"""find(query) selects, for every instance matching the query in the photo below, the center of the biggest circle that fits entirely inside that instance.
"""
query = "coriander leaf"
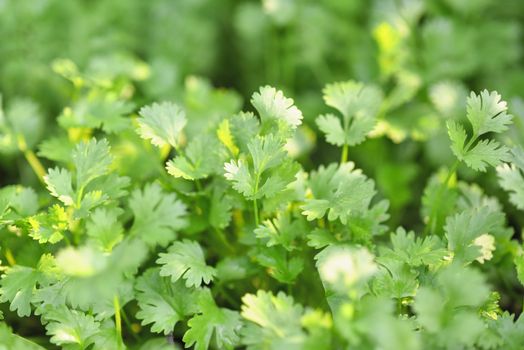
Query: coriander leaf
(338, 191)
(359, 106)
(104, 229)
(186, 260)
(415, 251)
(448, 311)
(162, 123)
(237, 171)
(487, 112)
(226, 137)
(158, 215)
(486, 152)
(244, 127)
(49, 227)
(11, 341)
(279, 265)
(17, 286)
(71, 328)
(162, 303)
(330, 125)
(272, 104)
(211, 320)
(351, 98)
(266, 152)
(511, 178)
(59, 184)
(463, 229)
(220, 208)
(200, 159)
(274, 320)
(92, 160)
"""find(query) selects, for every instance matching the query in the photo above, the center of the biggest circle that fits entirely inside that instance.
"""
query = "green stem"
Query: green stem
(128, 324)
(344, 156)
(118, 318)
(32, 159)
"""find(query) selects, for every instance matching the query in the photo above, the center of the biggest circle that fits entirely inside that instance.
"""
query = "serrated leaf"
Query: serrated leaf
(330, 125)
(60, 185)
(71, 327)
(92, 160)
(17, 286)
(211, 320)
(104, 229)
(50, 226)
(158, 215)
(487, 112)
(415, 251)
(462, 229)
(186, 260)
(338, 192)
(162, 123)
(162, 303)
(272, 104)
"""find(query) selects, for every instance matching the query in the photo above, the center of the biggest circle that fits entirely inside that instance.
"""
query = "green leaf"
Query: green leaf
(272, 104)
(279, 265)
(17, 286)
(162, 123)
(511, 179)
(50, 226)
(359, 105)
(158, 215)
(211, 320)
(104, 229)
(330, 125)
(10, 341)
(186, 260)
(162, 303)
(486, 152)
(274, 320)
(60, 184)
(463, 229)
(351, 98)
(201, 158)
(448, 311)
(71, 328)
(415, 251)
(92, 160)
(487, 113)
(338, 191)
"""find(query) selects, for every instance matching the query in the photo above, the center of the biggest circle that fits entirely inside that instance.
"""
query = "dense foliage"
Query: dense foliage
(144, 208)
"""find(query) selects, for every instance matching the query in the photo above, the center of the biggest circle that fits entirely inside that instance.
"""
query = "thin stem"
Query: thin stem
(10, 258)
(32, 159)
(128, 324)
(118, 318)
(344, 156)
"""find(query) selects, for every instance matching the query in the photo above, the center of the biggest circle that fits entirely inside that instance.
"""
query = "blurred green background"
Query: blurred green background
(425, 55)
